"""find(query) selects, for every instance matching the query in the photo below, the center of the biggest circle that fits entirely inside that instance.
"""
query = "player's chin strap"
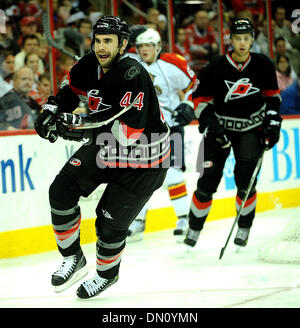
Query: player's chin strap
(93, 125)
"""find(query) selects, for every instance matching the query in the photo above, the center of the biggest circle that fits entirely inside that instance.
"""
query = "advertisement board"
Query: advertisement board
(28, 165)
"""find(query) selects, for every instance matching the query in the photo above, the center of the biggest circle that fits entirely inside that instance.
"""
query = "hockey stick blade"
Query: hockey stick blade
(51, 41)
(93, 125)
(257, 167)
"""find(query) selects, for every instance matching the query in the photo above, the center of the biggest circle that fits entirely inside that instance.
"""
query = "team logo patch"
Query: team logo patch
(107, 214)
(75, 161)
(95, 102)
(207, 164)
(239, 89)
(132, 72)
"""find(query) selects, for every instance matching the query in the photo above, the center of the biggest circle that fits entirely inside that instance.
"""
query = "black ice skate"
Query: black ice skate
(72, 269)
(181, 229)
(242, 236)
(191, 237)
(95, 286)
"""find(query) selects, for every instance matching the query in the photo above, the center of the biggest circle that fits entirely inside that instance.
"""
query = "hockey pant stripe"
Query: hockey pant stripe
(177, 191)
(250, 204)
(200, 209)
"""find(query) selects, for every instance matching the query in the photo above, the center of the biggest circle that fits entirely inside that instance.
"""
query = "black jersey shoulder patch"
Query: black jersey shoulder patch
(132, 72)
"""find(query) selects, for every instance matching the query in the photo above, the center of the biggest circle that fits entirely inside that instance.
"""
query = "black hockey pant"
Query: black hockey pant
(126, 193)
(246, 148)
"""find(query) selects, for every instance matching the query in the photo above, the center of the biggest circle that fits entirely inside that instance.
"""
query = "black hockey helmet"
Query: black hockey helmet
(111, 25)
(241, 26)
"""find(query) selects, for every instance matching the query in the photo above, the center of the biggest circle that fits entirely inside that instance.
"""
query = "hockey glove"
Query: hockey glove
(184, 113)
(46, 120)
(215, 135)
(62, 128)
(271, 129)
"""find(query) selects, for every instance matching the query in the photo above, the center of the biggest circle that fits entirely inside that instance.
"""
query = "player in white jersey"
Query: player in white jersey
(173, 80)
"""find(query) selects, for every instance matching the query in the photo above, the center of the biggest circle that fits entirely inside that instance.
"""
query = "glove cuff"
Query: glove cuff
(188, 102)
(51, 108)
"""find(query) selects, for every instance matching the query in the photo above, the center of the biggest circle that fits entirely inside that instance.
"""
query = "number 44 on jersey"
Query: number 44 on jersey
(138, 100)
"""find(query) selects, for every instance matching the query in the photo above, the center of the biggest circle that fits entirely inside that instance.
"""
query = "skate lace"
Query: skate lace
(66, 267)
(93, 285)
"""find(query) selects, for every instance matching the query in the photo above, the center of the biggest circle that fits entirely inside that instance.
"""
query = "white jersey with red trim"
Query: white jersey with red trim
(238, 94)
(169, 73)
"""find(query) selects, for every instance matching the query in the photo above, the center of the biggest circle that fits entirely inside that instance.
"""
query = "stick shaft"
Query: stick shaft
(51, 41)
(257, 167)
(94, 125)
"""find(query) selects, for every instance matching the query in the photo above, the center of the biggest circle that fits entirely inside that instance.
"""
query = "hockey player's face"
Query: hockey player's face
(147, 51)
(241, 44)
(106, 49)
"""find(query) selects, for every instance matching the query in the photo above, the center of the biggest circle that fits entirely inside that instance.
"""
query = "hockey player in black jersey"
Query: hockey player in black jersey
(130, 154)
(237, 104)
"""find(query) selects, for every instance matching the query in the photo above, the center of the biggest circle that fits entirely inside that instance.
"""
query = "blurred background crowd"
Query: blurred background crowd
(25, 67)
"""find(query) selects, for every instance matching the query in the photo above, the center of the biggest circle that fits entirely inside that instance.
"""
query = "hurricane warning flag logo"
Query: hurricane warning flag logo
(239, 89)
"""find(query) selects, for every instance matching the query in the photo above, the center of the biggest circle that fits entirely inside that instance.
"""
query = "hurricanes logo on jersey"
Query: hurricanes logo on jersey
(95, 103)
(239, 89)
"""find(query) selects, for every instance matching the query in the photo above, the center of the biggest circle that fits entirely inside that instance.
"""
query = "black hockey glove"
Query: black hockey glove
(215, 134)
(271, 129)
(62, 127)
(184, 113)
(46, 120)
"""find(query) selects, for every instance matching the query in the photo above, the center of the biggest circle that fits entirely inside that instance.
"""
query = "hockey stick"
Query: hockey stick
(93, 125)
(51, 41)
(257, 167)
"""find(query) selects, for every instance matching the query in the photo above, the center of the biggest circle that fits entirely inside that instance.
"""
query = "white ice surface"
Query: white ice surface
(157, 272)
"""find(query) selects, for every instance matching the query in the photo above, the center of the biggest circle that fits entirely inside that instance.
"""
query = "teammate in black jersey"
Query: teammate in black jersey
(130, 154)
(237, 104)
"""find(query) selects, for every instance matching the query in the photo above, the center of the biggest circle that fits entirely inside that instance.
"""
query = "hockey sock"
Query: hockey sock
(109, 258)
(66, 226)
(200, 207)
(248, 212)
(179, 199)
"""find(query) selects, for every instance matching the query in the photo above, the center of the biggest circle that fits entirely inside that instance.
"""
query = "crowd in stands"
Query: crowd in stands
(24, 51)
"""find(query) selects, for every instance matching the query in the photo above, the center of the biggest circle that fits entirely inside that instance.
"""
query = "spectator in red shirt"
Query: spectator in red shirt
(257, 8)
(200, 40)
(28, 26)
(43, 90)
(181, 46)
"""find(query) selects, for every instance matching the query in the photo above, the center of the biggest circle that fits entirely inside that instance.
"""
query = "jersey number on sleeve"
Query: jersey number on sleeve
(126, 100)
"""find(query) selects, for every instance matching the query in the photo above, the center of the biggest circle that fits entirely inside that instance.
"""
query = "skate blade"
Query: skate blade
(239, 249)
(137, 237)
(78, 275)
